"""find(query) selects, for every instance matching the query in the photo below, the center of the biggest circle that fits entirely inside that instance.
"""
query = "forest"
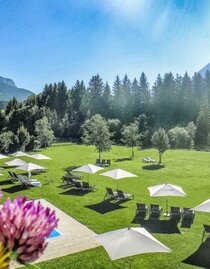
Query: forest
(177, 104)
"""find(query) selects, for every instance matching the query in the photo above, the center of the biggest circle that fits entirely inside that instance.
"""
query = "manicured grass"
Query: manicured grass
(188, 169)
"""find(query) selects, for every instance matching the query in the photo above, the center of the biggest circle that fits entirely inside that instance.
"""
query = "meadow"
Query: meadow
(188, 169)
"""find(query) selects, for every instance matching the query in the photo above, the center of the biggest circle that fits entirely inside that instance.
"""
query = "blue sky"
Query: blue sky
(45, 41)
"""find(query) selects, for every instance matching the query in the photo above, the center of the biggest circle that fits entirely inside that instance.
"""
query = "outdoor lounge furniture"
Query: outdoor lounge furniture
(148, 160)
(87, 187)
(72, 175)
(103, 162)
(188, 214)
(206, 230)
(78, 185)
(11, 176)
(175, 213)
(124, 196)
(155, 211)
(29, 183)
(98, 162)
(112, 194)
(108, 162)
(68, 181)
(141, 210)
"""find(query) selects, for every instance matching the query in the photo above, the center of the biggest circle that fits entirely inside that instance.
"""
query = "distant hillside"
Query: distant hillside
(203, 70)
(8, 90)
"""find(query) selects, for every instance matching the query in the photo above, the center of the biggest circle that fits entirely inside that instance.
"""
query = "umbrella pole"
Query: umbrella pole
(167, 206)
(117, 184)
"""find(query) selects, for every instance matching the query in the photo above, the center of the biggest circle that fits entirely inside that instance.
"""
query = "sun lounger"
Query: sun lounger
(78, 185)
(206, 230)
(110, 193)
(175, 213)
(124, 196)
(188, 214)
(155, 211)
(87, 187)
(29, 183)
(108, 163)
(141, 210)
(72, 175)
(103, 162)
(98, 162)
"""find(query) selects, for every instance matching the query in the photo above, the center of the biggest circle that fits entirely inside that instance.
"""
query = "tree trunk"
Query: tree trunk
(160, 157)
(132, 152)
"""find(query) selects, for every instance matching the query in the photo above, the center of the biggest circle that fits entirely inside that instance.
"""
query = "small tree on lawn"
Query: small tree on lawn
(44, 133)
(96, 132)
(23, 137)
(131, 136)
(160, 141)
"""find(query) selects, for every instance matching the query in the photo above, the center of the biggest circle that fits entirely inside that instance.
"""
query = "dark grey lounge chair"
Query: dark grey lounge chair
(108, 162)
(124, 196)
(188, 214)
(112, 194)
(86, 186)
(98, 162)
(141, 209)
(175, 213)
(155, 211)
(103, 162)
(206, 230)
(78, 185)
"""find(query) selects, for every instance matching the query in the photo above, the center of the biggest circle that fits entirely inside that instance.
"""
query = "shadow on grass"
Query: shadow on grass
(6, 182)
(159, 226)
(153, 167)
(124, 159)
(105, 207)
(75, 192)
(14, 189)
(201, 256)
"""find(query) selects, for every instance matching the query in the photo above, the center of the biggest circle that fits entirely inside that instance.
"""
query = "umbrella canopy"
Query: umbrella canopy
(166, 190)
(130, 241)
(30, 167)
(88, 168)
(3, 156)
(20, 154)
(203, 207)
(15, 162)
(118, 174)
(39, 157)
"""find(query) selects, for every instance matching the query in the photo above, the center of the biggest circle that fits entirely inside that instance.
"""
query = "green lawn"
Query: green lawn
(188, 169)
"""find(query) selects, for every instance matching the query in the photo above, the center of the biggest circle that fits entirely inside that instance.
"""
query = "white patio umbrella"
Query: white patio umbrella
(203, 207)
(28, 167)
(39, 157)
(20, 154)
(128, 242)
(3, 156)
(118, 174)
(88, 168)
(166, 190)
(15, 162)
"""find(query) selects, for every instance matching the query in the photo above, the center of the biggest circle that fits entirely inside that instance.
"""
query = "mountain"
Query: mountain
(8, 90)
(203, 70)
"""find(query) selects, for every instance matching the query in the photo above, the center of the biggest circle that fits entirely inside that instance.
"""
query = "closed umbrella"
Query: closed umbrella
(130, 241)
(118, 174)
(88, 168)
(3, 156)
(166, 190)
(20, 154)
(28, 167)
(15, 162)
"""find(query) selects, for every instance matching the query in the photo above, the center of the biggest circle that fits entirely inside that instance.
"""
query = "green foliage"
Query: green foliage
(131, 136)
(44, 133)
(178, 137)
(160, 141)
(96, 132)
(22, 138)
(6, 140)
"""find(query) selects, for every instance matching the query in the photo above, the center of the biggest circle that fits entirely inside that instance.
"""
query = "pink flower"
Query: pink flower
(24, 227)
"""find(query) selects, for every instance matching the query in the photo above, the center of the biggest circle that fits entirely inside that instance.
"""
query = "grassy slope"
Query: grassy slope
(189, 169)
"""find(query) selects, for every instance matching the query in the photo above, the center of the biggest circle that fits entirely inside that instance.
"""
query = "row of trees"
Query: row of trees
(171, 103)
